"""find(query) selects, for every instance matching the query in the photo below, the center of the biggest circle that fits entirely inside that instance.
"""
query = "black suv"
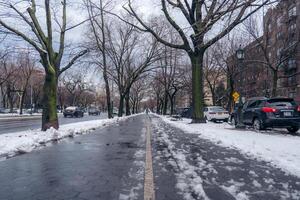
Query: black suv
(262, 113)
(73, 112)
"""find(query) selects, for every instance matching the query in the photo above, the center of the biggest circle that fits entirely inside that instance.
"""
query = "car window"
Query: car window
(281, 102)
(260, 103)
(205, 109)
(252, 104)
(216, 109)
(245, 105)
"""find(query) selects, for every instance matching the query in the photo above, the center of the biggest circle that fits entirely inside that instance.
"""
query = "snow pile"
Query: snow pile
(18, 115)
(278, 149)
(188, 181)
(234, 190)
(25, 141)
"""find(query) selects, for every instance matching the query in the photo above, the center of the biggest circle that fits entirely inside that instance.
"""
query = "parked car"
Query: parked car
(216, 113)
(186, 112)
(262, 113)
(73, 112)
(94, 111)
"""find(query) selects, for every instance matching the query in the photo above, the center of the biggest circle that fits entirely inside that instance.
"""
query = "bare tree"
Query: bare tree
(41, 38)
(26, 67)
(213, 73)
(204, 17)
(99, 35)
(274, 61)
(137, 93)
(74, 83)
(130, 55)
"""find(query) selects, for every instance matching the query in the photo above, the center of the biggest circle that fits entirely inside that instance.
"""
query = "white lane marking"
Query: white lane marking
(149, 193)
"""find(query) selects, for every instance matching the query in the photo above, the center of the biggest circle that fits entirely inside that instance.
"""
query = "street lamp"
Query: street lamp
(240, 54)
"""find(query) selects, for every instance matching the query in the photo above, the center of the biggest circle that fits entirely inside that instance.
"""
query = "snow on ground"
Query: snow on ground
(18, 115)
(25, 141)
(188, 181)
(280, 150)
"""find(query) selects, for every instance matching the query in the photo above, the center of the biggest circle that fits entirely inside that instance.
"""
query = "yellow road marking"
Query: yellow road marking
(149, 193)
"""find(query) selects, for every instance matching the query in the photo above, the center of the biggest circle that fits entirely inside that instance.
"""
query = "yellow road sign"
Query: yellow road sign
(236, 96)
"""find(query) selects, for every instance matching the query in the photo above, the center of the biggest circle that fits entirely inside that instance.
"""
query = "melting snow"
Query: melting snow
(278, 149)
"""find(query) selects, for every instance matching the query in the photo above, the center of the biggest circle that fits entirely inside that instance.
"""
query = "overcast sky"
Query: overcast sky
(76, 14)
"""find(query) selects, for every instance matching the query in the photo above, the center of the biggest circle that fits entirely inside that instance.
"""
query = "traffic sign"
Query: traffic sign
(236, 96)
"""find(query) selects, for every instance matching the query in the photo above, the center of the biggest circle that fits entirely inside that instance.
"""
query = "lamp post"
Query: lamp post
(240, 54)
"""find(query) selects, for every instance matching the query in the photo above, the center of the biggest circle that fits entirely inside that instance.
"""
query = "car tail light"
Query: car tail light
(268, 110)
(298, 108)
(212, 113)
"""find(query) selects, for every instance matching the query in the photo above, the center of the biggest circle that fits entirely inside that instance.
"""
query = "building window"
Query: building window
(292, 27)
(279, 51)
(278, 35)
(292, 63)
(292, 11)
(292, 94)
(292, 81)
(279, 20)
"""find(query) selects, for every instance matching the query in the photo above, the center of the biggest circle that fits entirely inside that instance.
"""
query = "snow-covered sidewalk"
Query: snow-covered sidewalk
(25, 141)
(281, 151)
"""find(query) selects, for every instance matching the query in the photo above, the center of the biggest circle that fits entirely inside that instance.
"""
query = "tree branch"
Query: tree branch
(82, 53)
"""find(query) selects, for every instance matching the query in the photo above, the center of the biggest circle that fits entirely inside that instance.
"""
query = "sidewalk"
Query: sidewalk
(200, 169)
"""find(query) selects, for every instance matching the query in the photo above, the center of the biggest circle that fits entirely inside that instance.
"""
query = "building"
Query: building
(279, 48)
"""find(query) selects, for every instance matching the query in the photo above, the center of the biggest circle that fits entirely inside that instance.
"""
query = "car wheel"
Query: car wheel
(257, 125)
(65, 116)
(293, 129)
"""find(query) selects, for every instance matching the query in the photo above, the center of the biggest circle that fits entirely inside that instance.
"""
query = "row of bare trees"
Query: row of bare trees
(22, 84)
(20, 80)
(126, 47)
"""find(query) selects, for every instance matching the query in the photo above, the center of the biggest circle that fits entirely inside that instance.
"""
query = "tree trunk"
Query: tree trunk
(127, 102)
(49, 118)
(121, 106)
(274, 85)
(107, 91)
(213, 96)
(230, 104)
(172, 105)
(197, 87)
(10, 98)
(22, 101)
(157, 104)
(165, 104)
(173, 102)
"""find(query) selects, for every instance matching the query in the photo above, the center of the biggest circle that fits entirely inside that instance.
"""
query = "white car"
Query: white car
(216, 113)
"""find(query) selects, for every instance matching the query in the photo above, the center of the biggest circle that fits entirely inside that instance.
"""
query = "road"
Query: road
(15, 124)
(90, 167)
(109, 164)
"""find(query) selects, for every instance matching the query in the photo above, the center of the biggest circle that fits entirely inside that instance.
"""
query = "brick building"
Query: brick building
(278, 47)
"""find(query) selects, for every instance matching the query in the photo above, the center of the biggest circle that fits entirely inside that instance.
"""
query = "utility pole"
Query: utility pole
(240, 54)
(31, 99)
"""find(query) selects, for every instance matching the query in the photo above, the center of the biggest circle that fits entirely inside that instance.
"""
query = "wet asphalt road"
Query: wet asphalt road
(108, 164)
(100, 165)
(15, 125)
